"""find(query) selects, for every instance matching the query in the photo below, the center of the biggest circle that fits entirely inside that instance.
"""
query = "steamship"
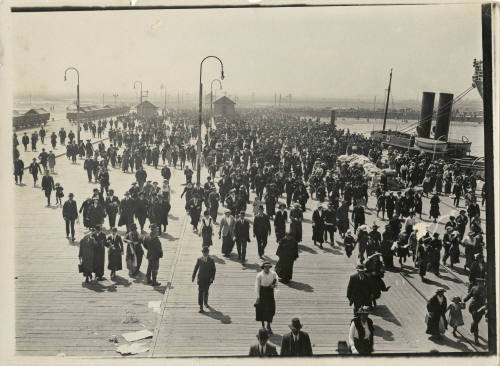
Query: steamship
(440, 146)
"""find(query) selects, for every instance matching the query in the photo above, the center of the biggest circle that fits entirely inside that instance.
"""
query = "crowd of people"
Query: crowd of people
(287, 160)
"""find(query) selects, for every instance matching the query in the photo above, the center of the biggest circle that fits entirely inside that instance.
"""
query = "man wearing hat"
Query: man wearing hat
(318, 225)
(477, 307)
(358, 215)
(361, 332)
(436, 310)
(261, 230)
(70, 214)
(358, 288)
(434, 254)
(461, 221)
(115, 252)
(47, 186)
(111, 206)
(262, 348)
(447, 242)
(205, 267)
(96, 213)
(226, 231)
(88, 165)
(99, 252)
(86, 255)
(280, 221)
(329, 221)
(477, 268)
(155, 252)
(126, 209)
(296, 217)
(242, 236)
(297, 342)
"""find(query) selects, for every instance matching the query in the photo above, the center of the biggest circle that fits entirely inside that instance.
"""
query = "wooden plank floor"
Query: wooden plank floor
(316, 295)
(57, 313)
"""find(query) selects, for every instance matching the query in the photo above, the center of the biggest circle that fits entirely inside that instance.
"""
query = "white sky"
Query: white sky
(321, 52)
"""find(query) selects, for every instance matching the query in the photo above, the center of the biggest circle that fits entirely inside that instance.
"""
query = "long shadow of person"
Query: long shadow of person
(120, 281)
(276, 339)
(169, 237)
(95, 286)
(254, 266)
(459, 345)
(300, 286)
(307, 249)
(217, 259)
(385, 334)
(386, 314)
(161, 289)
(332, 250)
(140, 278)
(270, 260)
(218, 315)
(436, 283)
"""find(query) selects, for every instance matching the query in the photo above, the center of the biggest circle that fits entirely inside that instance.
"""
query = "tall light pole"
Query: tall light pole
(198, 155)
(115, 96)
(140, 99)
(211, 95)
(77, 100)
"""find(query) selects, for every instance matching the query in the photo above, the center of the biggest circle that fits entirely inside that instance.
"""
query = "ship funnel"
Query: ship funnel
(443, 116)
(424, 126)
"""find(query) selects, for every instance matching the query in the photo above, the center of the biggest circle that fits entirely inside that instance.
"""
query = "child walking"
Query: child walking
(59, 194)
(454, 310)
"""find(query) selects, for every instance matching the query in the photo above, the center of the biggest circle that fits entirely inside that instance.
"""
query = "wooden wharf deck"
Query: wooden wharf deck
(56, 313)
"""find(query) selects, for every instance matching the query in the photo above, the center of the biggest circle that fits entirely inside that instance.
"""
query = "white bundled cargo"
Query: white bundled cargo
(362, 160)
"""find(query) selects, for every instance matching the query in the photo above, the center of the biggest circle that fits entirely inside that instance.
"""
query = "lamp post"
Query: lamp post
(140, 98)
(211, 95)
(77, 100)
(198, 154)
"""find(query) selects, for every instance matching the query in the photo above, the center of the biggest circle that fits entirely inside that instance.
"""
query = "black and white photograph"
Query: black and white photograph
(251, 179)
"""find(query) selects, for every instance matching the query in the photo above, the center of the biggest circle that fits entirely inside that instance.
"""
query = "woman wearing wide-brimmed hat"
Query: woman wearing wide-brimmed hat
(436, 310)
(265, 306)
(361, 332)
(296, 217)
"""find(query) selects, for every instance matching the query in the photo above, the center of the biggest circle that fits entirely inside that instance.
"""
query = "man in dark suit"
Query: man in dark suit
(205, 267)
(280, 222)
(70, 214)
(111, 205)
(88, 165)
(262, 349)
(48, 186)
(242, 236)
(296, 343)
(358, 289)
(155, 252)
(261, 230)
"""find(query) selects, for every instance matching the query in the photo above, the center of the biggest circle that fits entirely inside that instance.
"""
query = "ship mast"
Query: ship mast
(387, 101)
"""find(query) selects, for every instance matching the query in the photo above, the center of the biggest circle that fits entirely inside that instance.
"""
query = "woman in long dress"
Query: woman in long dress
(434, 211)
(288, 252)
(265, 306)
(134, 250)
(115, 252)
(207, 229)
(296, 217)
